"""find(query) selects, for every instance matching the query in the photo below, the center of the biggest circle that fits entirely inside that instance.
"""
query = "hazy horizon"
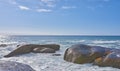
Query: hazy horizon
(62, 34)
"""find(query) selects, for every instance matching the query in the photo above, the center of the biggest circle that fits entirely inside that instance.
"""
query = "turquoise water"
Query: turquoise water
(47, 62)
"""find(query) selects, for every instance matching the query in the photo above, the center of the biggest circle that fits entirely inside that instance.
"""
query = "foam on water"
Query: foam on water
(8, 43)
(105, 41)
(48, 62)
(118, 55)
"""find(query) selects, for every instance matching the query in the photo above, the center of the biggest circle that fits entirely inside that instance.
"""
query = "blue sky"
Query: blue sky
(60, 17)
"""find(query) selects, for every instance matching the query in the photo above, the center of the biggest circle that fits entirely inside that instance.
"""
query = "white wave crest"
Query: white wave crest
(105, 41)
(8, 43)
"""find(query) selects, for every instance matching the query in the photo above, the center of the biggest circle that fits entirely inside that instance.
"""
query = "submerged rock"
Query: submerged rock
(83, 53)
(14, 66)
(31, 48)
(3, 45)
(56, 54)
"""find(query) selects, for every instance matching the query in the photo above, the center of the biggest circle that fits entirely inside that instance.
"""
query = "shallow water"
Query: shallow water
(47, 62)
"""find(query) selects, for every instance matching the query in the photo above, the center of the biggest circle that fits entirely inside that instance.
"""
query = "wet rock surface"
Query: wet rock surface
(47, 48)
(101, 56)
(83, 53)
(112, 60)
(3, 45)
(43, 50)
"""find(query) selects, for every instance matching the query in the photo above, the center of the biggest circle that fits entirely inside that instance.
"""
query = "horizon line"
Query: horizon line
(55, 35)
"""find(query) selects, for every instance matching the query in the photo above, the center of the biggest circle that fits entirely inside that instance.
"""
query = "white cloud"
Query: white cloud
(44, 10)
(40, 5)
(23, 7)
(49, 3)
(68, 7)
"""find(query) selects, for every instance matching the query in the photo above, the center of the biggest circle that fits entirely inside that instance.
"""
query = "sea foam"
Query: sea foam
(48, 62)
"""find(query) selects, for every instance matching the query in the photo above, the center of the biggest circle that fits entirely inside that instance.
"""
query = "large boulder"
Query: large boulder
(44, 50)
(30, 47)
(14, 66)
(81, 53)
(112, 60)
(97, 55)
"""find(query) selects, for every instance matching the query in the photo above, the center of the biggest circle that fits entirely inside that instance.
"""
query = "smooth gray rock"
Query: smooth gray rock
(101, 56)
(30, 48)
(81, 53)
(14, 66)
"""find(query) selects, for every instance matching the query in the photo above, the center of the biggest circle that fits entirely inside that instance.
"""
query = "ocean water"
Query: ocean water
(47, 62)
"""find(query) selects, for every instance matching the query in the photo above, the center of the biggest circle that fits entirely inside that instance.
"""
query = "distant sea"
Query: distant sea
(47, 62)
